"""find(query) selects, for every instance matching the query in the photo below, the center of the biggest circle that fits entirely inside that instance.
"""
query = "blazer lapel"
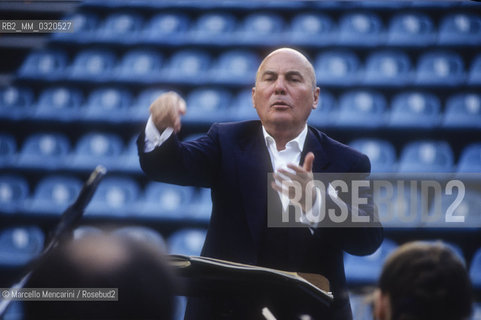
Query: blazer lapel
(300, 237)
(313, 144)
(253, 163)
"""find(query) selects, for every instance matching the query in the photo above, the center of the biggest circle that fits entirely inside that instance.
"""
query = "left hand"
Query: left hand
(303, 175)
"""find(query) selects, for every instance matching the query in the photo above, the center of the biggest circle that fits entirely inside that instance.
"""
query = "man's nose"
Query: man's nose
(280, 86)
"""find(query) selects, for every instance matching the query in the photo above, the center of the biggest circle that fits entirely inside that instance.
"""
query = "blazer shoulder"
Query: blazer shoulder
(338, 152)
(236, 130)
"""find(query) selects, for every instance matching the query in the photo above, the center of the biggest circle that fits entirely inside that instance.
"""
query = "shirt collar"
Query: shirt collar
(297, 142)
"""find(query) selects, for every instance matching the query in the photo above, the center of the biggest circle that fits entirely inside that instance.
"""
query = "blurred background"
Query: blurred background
(400, 81)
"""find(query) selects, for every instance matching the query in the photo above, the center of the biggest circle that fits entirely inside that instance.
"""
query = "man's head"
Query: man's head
(285, 90)
(139, 271)
(423, 281)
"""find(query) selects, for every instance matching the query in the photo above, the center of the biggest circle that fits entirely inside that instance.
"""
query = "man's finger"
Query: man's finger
(308, 162)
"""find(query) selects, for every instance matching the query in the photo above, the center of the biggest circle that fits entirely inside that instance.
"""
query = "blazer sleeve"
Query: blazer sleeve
(359, 238)
(192, 163)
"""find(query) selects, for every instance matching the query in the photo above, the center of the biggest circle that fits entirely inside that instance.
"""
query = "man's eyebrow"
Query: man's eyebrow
(294, 73)
(269, 73)
(288, 73)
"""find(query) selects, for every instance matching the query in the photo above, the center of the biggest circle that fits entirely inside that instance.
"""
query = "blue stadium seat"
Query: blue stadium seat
(399, 205)
(470, 159)
(139, 111)
(54, 194)
(463, 111)
(97, 148)
(467, 208)
(109, 104)
(16, 102)
(460, 29)
(475, 71)
(242, 106)
(187, 242)
(202, 205)
(144, 234)
(236, 66)
(475, 270)
(426, 156)
(388, 67)
(120, 27)
(325, 113)
(167, 28)
(188, 66)
(415, 109)
(207, 105)
(362, 108)
(440, 68)
(19, 245)
(129, 160)
(14, 192)
(337, 67)
(213, 28)
(115, 197)
(413, 28)
(140, 66)
(93, 65)
(261, 28)
(166, 201)
(309, 28)
(381, 153)
(45, 64)
(361, 29)
(476, 315)
(44, 151)
(365, 270)
(8, 150)
(59, 103)
(85, 24)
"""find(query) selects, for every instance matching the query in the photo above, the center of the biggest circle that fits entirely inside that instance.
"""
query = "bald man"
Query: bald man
(234, 160)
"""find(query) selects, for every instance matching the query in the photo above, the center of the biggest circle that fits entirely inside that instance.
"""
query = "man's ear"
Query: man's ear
(382, 306)
(316, 92)
(253, 97)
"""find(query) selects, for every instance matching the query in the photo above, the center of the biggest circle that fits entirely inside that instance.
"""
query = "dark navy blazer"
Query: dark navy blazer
(232, 159)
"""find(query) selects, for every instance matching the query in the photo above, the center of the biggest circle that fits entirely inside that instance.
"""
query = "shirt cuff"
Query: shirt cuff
(316, 207)
(153, 137)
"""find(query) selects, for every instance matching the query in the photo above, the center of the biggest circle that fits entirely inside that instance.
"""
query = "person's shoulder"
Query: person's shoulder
(238, 128)
(339, 151)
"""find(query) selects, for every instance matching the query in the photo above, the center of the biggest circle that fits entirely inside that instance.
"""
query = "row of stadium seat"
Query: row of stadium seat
(117, 197)
(53, 151)
(358, 107)
(120, 196)
(383, 67)
(356, 27)
(20, 244)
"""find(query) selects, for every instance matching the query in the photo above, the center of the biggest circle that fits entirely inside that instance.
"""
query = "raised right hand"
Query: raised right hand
(166, 111)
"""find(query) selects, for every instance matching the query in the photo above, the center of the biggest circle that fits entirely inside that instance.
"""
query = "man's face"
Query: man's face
(284, 95)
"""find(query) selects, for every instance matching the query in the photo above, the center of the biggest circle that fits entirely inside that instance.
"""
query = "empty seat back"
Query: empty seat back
(415, 109)
(14, 191)
(19, 245)
(187, 242)
(426, 156)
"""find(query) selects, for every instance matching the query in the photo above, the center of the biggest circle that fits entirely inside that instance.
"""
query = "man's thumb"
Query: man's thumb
(308, 162)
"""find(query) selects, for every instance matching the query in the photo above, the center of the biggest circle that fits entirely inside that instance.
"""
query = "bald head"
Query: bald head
(289, 51)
